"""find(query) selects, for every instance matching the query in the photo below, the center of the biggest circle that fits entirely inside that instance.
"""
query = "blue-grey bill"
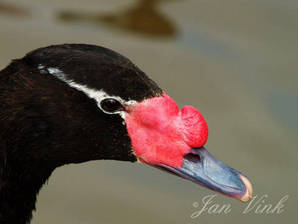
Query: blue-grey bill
(204, 169)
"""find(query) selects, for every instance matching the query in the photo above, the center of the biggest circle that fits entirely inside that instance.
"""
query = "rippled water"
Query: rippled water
(234, 60)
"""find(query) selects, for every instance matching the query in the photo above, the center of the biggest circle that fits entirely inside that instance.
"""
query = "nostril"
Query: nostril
(195, 158)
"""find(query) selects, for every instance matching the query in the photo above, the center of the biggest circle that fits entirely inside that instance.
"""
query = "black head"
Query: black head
(69, 100)
(58, 105)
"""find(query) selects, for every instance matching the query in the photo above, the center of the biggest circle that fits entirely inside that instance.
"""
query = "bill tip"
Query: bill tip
(248, 193)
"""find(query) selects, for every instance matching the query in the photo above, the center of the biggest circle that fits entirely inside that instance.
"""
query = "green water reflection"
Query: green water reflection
(144, 18)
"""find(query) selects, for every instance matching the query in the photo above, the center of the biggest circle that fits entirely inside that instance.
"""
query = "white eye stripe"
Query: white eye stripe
(97, 95)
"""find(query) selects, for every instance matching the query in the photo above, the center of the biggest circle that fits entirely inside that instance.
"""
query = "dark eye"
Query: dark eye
(111, 105)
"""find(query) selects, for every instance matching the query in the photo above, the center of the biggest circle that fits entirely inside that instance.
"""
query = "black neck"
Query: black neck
(19, 186)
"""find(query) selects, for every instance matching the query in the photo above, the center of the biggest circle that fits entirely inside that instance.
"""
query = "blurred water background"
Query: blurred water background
(235, 60)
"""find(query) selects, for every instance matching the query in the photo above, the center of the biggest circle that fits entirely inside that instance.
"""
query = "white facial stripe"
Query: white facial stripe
(98, 95)
(41, 69)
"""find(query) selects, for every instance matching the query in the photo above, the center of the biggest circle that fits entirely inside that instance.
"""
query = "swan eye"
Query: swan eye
(111, 105)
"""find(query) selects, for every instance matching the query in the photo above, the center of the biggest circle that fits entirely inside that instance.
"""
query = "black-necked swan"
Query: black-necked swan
(74, 103)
